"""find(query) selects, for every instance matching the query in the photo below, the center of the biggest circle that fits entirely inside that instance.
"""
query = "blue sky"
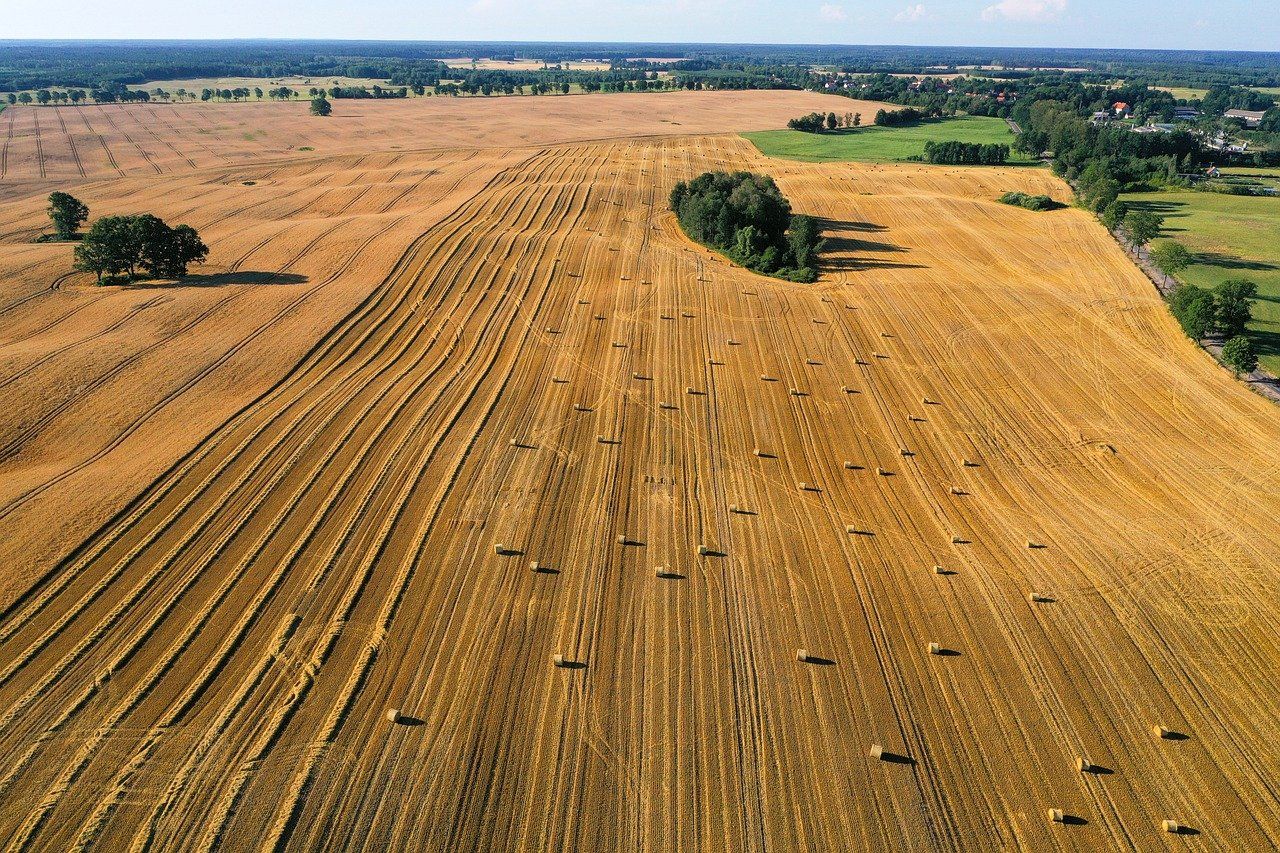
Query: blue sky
(1221, 25)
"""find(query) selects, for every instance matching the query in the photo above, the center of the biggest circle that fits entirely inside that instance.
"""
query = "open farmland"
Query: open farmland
(872, 144)
(1232, 237)
(245, 516)
(39, 145)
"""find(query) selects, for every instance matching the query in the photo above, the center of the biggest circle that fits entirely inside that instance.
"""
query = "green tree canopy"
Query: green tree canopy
(68, 213)
(1238, 354)
(1142, 226)
(122, 245)
(1171, 257)
(746, 216)
(1195, 310)
(1234, 299)
(320, 106)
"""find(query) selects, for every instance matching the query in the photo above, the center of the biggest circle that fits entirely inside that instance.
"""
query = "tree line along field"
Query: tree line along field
(1231, 237)
(299, 84)
(873, 144)
(245, 517)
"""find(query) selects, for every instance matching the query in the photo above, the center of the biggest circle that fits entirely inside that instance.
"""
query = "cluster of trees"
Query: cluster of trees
(1138, 227)
(1030, 202)
(1221, 98)
(746, 217)
(812, 123)
(817, 122)
(46, 96)
(965, 153)
(1222, 312)
(364, 92)
(242, 93)
(320, 106)
(140, 244)
(906, 115)
(1103, 161)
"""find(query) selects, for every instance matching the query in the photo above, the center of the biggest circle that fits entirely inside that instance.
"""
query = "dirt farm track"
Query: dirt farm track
(244, 516)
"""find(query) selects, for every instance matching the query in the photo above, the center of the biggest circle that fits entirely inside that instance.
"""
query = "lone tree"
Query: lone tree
(1171, 257)
(1234, 299)
(1142, 226)
(1195, 311)
(1238, 355)
(320, 106)
(121, 245)
(832, 121)
(68, 214)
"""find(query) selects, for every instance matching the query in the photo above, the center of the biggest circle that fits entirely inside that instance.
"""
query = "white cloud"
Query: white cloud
(1024, 10)
(912, 13)
(831, 12)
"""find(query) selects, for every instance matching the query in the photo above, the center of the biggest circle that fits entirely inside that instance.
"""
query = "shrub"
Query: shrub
(1030, 202)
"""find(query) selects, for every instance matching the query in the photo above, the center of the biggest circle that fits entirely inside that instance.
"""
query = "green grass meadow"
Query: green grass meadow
(1233, 237)
(871, 144)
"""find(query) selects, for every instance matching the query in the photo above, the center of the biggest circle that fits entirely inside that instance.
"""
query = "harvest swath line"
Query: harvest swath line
(71, 142)
(106, 149)
(8, 138)
(35, 126)
(165, 142)
(142, 152)
(185, 466)
(54, 353)
(210, 556)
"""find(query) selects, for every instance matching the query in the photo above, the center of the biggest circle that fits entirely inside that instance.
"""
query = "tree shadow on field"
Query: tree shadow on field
(1231, 262)
(1168, 209)
(243, 278)
(845, 252)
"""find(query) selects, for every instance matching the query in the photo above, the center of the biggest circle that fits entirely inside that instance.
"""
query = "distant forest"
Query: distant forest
(26, 65)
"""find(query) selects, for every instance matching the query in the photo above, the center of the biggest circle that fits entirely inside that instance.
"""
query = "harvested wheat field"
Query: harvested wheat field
(453, 507)
(68, 144)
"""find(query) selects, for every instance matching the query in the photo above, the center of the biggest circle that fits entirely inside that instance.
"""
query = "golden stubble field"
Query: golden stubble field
(242, 518)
